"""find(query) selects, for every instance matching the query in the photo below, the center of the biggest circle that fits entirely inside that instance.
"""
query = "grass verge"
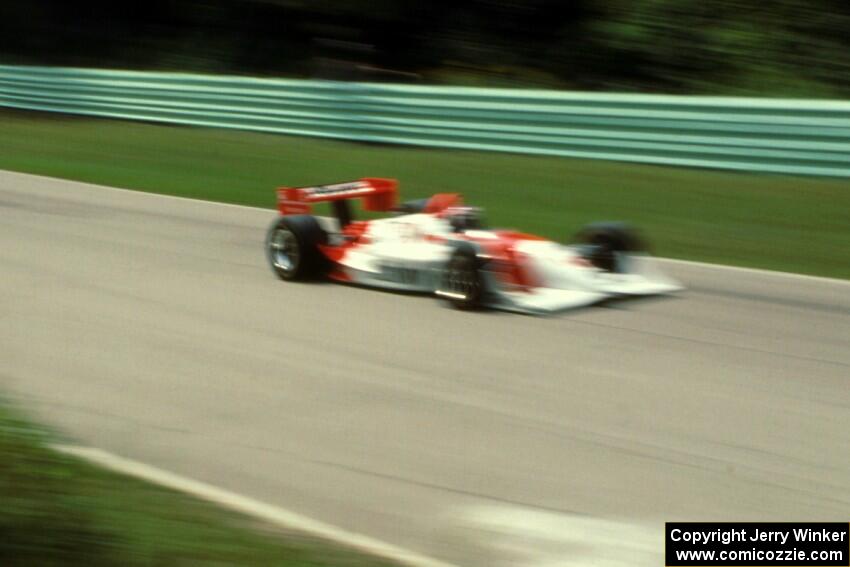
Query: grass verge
(798, 224)
(58, 511)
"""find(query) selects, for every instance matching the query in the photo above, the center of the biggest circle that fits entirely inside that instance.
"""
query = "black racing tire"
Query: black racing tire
(462, 283)
(603, 241)
(292, 247)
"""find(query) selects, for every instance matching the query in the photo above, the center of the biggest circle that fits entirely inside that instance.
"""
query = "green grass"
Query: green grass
(59, 512)
(799, 224)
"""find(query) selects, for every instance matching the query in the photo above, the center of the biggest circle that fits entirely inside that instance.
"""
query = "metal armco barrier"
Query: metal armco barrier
(804, 137)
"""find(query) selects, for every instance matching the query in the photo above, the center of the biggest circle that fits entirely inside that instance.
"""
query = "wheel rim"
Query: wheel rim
(462, 282)
(283, 248)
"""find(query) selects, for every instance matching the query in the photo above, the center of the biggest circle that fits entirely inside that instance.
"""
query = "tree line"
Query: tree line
(736, 47)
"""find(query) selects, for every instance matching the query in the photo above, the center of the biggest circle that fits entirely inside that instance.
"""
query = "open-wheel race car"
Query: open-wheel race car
(440, 246)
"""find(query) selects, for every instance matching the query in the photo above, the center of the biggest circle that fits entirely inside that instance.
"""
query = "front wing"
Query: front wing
(640, 277)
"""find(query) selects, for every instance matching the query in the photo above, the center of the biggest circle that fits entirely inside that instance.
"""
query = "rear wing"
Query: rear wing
(378, 195)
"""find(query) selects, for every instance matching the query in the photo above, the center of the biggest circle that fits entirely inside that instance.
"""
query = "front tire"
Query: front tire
(462, 283)
(605, 242)
(292, 247)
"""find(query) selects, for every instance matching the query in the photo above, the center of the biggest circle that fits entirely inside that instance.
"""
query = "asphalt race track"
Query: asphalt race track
(152, 327)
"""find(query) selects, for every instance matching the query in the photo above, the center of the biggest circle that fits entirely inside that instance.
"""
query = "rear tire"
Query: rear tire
(462, 284)
(603, 242)
(292, 247)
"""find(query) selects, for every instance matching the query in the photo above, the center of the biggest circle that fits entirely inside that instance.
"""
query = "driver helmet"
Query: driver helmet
(463, 218)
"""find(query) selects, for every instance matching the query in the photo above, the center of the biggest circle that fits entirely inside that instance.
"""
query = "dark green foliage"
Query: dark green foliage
(785, 47)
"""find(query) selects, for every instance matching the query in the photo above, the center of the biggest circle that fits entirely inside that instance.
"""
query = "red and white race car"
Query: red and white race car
(440, 246)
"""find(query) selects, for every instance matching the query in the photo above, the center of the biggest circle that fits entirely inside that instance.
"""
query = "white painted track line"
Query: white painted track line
(248, 506)
(754, 271)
